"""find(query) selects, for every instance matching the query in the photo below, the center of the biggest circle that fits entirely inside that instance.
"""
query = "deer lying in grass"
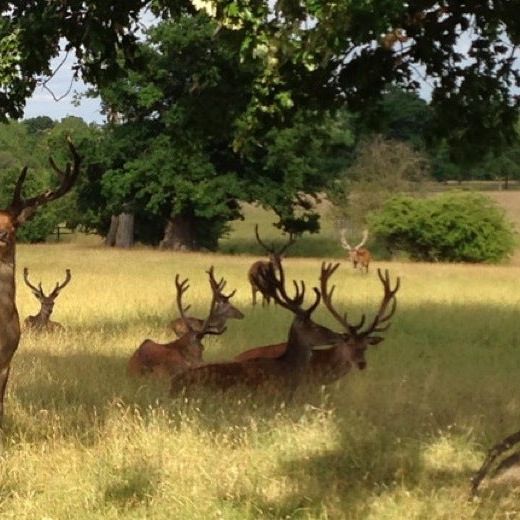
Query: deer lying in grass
(181, 354)
(287, 370)
(333, 363)
(261, 266)
(42, 322)
(359, 255)
(224, 310)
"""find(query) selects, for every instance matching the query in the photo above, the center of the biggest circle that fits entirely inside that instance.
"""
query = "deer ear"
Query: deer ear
(375, 340)
(24, 215)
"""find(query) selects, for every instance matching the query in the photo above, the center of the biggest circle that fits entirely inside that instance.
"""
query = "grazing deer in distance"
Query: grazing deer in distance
(42, 321)
(275, 258)
(332, 363)
(359, 255)
(286, 370)
(182, 353)
(224, 310)
(20, 210)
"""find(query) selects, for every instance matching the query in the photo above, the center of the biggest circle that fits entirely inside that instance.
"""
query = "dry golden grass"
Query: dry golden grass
(399, 440)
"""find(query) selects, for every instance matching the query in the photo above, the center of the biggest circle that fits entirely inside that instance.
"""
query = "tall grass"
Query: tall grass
(398, 440)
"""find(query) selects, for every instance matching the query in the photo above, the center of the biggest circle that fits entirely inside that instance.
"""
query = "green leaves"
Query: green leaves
(452, 227)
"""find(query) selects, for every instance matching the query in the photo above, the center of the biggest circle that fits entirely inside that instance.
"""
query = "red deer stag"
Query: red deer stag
(275, 258)
(42, 321)
(359, 255)
(20, 210)
(184, 352)
(224, 310)
(334, 362)
(288, 369)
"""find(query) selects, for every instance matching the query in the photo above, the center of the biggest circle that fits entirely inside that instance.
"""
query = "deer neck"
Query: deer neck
(298, 351)
(9, 321)
(44, 315)
(7, 281)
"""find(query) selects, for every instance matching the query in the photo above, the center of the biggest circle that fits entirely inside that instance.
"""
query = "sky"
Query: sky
(43, 104)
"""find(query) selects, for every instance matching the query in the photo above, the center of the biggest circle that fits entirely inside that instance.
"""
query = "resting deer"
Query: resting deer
(260, 266)
(333, 363)
(20, 210)
(224, 310)
(42, 321)
(176, 356)
(287, 370)
(359, 255)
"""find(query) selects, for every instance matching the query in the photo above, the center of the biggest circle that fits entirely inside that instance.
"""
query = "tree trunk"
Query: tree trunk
(179, 234)
(110, 239)
(125, 230)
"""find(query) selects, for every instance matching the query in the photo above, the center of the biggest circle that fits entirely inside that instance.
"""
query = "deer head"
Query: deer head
(46, 301)
(224, 309)
(22, 209)
(304, 333)
(274, 255)
(359, 339)
(191, 341)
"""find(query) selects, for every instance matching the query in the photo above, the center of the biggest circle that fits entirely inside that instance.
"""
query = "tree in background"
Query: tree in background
(381, 169)
(172, 161)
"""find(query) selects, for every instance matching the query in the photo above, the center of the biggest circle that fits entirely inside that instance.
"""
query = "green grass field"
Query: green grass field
(398, 440)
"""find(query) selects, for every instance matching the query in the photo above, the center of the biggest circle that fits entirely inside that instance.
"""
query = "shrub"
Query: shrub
(450, 227)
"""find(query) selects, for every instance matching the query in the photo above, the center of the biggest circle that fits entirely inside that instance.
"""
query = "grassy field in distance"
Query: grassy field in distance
(398, 440)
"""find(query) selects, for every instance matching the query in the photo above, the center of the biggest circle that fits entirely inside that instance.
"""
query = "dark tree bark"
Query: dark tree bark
(125, 230)
(110, 239)
(179, 234)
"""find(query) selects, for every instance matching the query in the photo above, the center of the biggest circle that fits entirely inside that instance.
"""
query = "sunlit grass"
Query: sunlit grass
(399, 440)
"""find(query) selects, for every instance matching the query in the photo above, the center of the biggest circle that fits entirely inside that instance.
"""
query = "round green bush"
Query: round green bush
(452, 227)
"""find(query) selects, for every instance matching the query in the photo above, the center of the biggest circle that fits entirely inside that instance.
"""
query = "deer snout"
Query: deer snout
(362, 365)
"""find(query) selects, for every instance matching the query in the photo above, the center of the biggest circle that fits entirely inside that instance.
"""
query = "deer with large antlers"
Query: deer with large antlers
(359, 255)
(262, 266)
(290, 367)
(184, 352)
(333, 363)
(224, 310)
(41, 321)
(20, 210)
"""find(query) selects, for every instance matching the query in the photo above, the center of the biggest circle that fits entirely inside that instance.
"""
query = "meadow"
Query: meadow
(398, 440)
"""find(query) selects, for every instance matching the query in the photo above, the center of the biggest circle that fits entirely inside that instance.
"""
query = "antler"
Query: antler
(344, 242)
(327, 270)
(382, 316)
(26, 207)
(363, 240)
(182, 287)
(274, 287)
(290, 242)
(36, 290)
(59, 286)
(268, 249)
(271, 250)
(218, 287)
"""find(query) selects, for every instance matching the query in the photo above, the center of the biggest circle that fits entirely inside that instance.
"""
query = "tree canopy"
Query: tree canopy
(306, 53)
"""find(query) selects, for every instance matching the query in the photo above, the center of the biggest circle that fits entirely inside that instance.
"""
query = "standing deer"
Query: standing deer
(286, 370)
(20, 210)
(42, 321)
(260, 266)
(359, 255)
(332, 363)
(224, 310)
(182, 353)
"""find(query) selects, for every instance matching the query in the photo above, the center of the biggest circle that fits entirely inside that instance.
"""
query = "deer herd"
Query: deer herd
(311, 352)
